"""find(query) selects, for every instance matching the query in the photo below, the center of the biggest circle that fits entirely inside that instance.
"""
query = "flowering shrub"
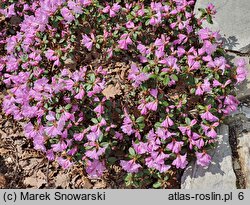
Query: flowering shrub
(131, 83)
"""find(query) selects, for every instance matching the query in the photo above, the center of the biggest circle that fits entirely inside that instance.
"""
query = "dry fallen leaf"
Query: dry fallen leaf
(31, 163)
(3, 182)
(70, 63)
(62, 180)
(36, 180)
(83, 183)
(15, 20)
(100, 185)
(111, 91)
(3, 151)
(2, 17)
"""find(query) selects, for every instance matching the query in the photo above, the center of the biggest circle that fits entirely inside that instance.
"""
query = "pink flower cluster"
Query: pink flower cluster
(174, 95)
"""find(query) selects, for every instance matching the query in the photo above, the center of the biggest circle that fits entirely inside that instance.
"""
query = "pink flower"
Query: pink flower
(231, 104)
(94, 135)
(199, 91)
(142, 107)
(206, 86)
(78, 136)
(11, 43)
(75, 7)
(164, 133)
(198, 141)
(140, 148)
(8, 12)
(155, 6)
(211, 9)
(87, 42)
(209, 47)
(86, 3)
(156, 19)
(67, 15)
(152, 105)
(130, 24)
(180, 161)
(211, 133)
(175, 146)
(72, 151)
(130, 166)
(95, 168)
(99, 109)
(65, 163)
(80, 95)
(29, 131)
(157, 161)
(167, 122)
(208, 115)
(137, 76)
(218, 63)
(50, 155)
(38, 142)
(241, 70)
(59, 147)
(118, 135)
(112, 10)
(203, 159)
(171, 62)
(49, 54)
(193, 64)
(142, 49)
(124, 41)
(94, 154)
(204, 34)
(127, 126)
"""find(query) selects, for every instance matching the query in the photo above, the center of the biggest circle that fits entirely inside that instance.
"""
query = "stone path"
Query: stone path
(233, 21)
(227, 171)
(219, 174)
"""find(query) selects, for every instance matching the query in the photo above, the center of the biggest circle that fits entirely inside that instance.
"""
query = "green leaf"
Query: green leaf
(141, 126)
(166, 178)
(157, 185)
(201, 107)
(59, 18)
(202, 10)
(174, 77)
(98, 46)
(100, 138)
(166, 80)
(210, 19)
(153, 76)
(140, 119)
(147, 22)
(104, 144)
(112, 160)
(94, 120)
(68, 106)
(187, 120)
(58, 115)
(131, 151)
(88, 86)
(158, 124)
(92, 77)
(164, 103)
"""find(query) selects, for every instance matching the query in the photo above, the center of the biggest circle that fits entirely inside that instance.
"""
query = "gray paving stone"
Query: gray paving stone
(233, 21)
(219, 174)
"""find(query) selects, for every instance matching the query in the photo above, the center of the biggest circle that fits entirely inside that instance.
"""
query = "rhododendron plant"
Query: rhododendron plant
(136, 84)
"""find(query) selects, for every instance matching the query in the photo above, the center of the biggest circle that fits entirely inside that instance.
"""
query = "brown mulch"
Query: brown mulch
(23, 167)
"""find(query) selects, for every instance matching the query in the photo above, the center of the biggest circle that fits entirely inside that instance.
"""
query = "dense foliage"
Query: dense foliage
(132, 83)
